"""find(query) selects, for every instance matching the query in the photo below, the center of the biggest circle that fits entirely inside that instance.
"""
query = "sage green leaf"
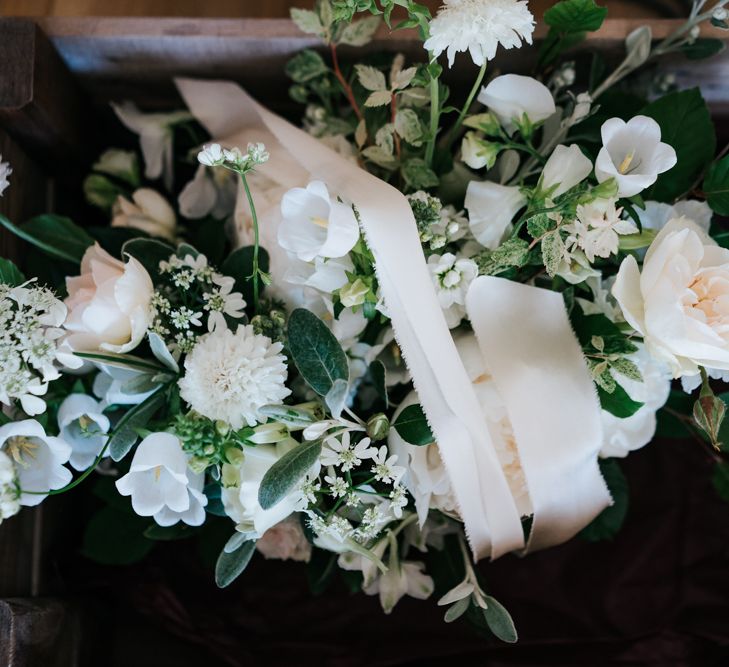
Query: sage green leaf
(456, 610)
(307, 21)
(336, 397)
(161, 353)
(125, 432)
(499, 620)
(231, 565)
(55, 235)
(413, 427)
(283, 475)
(695, 149)
(120, 361)
(608, 523)
(10, 274)
(315, 351)
(716, 187)
(149, 253)
(361, 32)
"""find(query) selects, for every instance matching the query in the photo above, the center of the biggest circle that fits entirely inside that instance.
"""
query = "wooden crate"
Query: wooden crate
(55, 75)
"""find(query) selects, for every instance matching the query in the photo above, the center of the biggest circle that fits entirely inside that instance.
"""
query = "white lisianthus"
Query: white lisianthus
(679, 303)
(633, 154)
(596, 229)
(491, 209)
(155, 137)
(452, 276)
(162, 485)
(479, 27)
(566, 167)
(83, 425)
(657, 215)
(38, 457)
(512, 97)
(119, 163)
(230, 376)
(622, 436)
(315, 225)
(5, 171)
(9, 494)
(149, 212)
(285, 541)
(241, 479)
(109, 303)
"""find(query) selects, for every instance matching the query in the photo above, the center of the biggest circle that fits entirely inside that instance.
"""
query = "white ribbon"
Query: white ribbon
(492, 522)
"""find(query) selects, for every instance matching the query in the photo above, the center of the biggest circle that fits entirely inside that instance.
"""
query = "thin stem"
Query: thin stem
(348, 92)
(453, 134)
(393, 114)
(256, 243)
(434, 117)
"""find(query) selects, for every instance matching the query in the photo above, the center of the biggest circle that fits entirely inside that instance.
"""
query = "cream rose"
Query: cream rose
(108, 304)
(680, 301)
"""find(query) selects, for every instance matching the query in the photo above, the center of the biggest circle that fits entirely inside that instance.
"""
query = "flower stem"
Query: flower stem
(348, 92)
(256, 243)
(434, 117)
(453, 134)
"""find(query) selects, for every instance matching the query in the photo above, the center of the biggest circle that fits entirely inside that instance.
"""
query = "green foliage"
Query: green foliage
(55, 235)
(379, 382)
(609, 522)
(568, 22)
(418, 175)
(125, 432)
(239, 265)
(149, 253)
(315, 351)
(10, 274)
(703, 48)
(180, 531)
(305, 66)
(618, 402)
(230, 564)
(709, 411)
(676, 113)
(512, 253)
(669, 425)
(412, 426)
(116, 537)
(499, 620)
(720, 479)
(283, 475)
(716, 187)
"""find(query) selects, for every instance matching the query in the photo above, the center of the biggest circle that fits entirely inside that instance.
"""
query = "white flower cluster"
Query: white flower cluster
(9, 495)
(596, 229)
(30, 321)
(438, 225)
(452, 276)
(194, 289)
(5, 171)
(214, 155)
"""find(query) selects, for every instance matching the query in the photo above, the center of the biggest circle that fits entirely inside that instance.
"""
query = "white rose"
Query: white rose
(242, 480)
(657, 215)
(633, 154)
(491, 209)
(512, 96)
(108, 303)
(149, 212)
(679, 303)
(285, 541)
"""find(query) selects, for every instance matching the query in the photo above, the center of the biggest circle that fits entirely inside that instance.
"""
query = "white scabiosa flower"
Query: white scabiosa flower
(452, 277)
(230, 376)
(479, 27)
(162, 485)
(5, 171)
(83, 425)
(633, 154)
(38, 457)
(513, 97)
(149, 212)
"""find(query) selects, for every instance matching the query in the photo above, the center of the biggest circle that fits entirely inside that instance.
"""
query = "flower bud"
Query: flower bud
(378, 426)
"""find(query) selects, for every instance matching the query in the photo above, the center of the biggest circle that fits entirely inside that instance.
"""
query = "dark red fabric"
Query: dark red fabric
(658, 595)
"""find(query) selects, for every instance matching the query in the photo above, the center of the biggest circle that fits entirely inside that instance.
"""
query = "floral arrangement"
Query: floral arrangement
(232, 350)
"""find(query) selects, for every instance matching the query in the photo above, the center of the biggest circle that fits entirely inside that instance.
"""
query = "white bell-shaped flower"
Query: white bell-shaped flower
(83, 425)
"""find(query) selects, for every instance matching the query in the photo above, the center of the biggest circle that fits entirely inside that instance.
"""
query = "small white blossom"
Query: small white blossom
(338, 486)
(5, 171)
(452, 277)
(398, 500)
(211, 155)
(384, 468)
(596, 229)
(338, 451)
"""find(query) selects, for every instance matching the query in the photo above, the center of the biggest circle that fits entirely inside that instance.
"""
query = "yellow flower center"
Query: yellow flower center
(320, 222)
(627, 163)
(19, 447)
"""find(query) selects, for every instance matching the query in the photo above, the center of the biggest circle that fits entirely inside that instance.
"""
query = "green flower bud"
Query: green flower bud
(378, 426)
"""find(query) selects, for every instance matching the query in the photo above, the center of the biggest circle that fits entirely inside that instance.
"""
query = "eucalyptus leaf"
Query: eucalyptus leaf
(55, 235)
(231, 565)
(125, 432)
(283, 475)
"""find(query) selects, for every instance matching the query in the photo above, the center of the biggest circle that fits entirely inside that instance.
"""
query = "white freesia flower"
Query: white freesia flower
(452, 277)
(38, 457)
(657, 215)
(679, 303)
(149, 211)
(427, 478)
(285, 541)
(512, 97)
(5, 171)
(83, 425)
(566, 167)
(9, 494)
(597, 228)
(633, 154)
(230, 376)
(622, 436)
(241, 481)
(161, 485)
(479, 27)
(108, 303)
(315, 225)
(155, 137)
(491, 209)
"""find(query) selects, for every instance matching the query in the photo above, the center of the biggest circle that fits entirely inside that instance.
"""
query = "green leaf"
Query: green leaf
(180, 531)
(10, 274)
(574, 16)
(720, 479)
(283, 475)
(125, 432)
(618, 402)
(457, 609)
(409, 127)
(608, 523)
(553, 252)
(112, 239)
(716, 187)
(418, 175)
(379, 380)
(116, 537)
(315, 351)
(306, 66)
(307, 21)
(55, 235)
(231, 565)
(121, 361)
(669, 425)
(703, 48)
(695, 149)
(149, 253)
(209, 237)
(499, 620)
(361, 32)
(413, 427)
(239, 265)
